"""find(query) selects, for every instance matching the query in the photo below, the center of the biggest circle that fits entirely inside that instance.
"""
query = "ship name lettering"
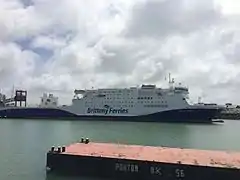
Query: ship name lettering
(106, 110)
(155, 170)
(126, 167)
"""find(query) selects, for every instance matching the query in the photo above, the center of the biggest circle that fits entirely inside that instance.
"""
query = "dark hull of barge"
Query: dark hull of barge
(130, 168)
(103, 167)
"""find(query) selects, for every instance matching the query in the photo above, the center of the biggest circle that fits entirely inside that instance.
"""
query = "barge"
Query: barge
(106, 160)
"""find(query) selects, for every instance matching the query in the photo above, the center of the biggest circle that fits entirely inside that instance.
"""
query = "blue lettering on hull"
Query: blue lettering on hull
(106, 110)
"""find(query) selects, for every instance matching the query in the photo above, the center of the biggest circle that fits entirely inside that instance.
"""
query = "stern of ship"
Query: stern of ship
(207, 114)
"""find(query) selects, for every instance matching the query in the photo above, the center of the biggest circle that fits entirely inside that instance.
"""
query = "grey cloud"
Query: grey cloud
(120, 58)
(27, 2)
(226, 37)
(233, 55)
(138, 58)
(166, 17)
(163, 67)
(117, 61)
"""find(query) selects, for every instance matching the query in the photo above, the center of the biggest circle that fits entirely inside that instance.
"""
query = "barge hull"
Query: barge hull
(133, 169)
(143, 162)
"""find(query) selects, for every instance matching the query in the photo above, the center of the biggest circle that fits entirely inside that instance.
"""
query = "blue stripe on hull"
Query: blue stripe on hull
(179, 115)
(32, 113)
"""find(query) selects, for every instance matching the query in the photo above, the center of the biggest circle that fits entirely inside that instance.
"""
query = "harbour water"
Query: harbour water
(24, 143)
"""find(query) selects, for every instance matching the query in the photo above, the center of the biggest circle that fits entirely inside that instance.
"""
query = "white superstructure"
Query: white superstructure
(48, 101)
(146, 99)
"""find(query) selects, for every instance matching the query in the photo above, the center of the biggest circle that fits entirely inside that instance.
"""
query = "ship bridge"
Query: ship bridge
(148, 86)
(181, 88)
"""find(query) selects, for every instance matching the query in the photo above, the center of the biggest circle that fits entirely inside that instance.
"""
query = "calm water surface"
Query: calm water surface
(24, 143)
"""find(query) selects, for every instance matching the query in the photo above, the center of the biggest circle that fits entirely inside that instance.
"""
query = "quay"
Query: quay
(107, 160)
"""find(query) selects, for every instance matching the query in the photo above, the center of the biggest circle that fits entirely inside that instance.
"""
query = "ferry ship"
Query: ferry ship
(147, 103)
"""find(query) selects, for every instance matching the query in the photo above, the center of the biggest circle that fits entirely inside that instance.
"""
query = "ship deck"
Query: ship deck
(157, 154)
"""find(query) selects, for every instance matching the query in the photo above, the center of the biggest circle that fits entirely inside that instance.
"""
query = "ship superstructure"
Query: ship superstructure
(130, 101)
(144, 103)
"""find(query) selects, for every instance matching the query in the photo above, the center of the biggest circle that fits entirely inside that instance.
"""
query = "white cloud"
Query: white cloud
(48, 42)
(229, 6)
(15, 64)
(120, 43)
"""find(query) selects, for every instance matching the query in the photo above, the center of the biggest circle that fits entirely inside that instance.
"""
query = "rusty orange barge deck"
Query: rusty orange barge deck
(142, 162)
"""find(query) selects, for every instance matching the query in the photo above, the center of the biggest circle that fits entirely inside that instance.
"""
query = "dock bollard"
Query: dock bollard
(59, 149)
(86, 141)
(63, 149)
(82, 140)
(52, 149)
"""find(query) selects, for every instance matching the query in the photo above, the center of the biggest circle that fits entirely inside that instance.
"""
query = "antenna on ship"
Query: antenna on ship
(170, 80)
(12, 91)
(199, 100)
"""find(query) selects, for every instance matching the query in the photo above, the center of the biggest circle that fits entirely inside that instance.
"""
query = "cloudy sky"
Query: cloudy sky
(59, 45)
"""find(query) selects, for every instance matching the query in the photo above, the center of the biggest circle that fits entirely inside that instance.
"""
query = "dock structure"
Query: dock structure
(142, 162)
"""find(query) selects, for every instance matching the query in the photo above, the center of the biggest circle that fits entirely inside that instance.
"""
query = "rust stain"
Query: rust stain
(157, 154)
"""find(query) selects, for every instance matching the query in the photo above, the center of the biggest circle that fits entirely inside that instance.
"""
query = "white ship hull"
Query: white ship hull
(147, 103)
